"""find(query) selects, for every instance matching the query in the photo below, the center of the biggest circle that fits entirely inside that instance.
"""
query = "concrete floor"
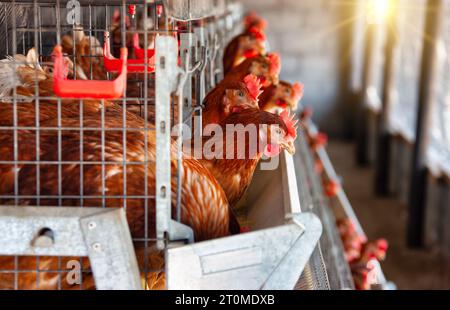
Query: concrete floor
(386, 217)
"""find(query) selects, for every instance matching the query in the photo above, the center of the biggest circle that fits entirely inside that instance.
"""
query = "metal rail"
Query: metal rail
(343, 200)
(100, 234)
(428, 75)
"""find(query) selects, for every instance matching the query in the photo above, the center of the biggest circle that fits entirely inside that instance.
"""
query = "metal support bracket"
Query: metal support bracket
(186, 10)
(274, 258)
(222, 42)
(102, 234)
(187, 48)
(201, 56)
(215, 47)
(167, 80)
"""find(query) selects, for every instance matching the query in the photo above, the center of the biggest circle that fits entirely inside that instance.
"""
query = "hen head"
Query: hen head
(281, 138)
(251, 44)
(242, 95)
(266, 68)
(285, 96)
(253, 20)
(275, 133)
(375, 250)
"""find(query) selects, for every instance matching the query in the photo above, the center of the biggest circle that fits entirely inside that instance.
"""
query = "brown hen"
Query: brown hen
(265, 67)
(230, 96)
(278, 98)
(234, 171)
(203, 203)
(246, 45)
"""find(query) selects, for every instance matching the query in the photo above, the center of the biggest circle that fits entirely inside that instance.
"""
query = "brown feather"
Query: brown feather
(284, 92)
(204, 204)
(236, 48)
(215, 110)
(226, 170)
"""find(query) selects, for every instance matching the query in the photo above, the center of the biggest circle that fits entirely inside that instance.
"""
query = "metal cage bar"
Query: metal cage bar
(43, 24)
(100, 234)
(428, 75)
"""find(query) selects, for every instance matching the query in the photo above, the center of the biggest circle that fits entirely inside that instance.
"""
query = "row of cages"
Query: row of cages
(85, 40)
(67, 141)
(398, 25)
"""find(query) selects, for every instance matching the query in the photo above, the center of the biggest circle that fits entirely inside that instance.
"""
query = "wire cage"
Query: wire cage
(60, 148)
(96, 88)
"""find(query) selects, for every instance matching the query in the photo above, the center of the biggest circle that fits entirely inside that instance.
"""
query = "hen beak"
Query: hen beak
(294, 106)
(290, 147)
(275, 80)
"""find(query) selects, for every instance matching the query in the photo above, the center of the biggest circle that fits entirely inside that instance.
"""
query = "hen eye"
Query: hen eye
(265, 66)
(240, 93)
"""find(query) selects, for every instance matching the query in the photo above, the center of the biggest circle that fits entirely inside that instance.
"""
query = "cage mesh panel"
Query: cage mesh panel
(81, 173)
(315, 275)
(330, 268)
(98, 169)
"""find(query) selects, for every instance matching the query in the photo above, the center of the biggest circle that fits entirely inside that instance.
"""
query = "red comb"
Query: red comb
(298, 90)
(320, 140)
(382, 244)
(291, 123)
(331, 188)
(257, 34)
(253, 19)
(159, 10)
(132, 9)
(318, 166)
(250, 19)
(275, 63)
(253, 86)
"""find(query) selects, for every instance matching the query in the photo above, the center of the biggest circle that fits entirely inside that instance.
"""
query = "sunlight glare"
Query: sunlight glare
(377, 11)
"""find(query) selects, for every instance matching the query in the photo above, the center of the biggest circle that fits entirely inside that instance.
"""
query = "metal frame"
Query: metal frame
(283, 251)
(362, 130)
(202, 56)
(329, 170)
(167, 77)
(101, 234)
(170, 229)
(274, 258)
(330, 263)
(419, 170)
(342, 197)
(187, 46)
(187, 10)
(383, 152)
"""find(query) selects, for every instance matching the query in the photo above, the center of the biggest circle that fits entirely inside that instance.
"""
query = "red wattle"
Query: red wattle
(272, 150)
(281, 103)
(236, 110)
(250, 53)
(262, 79)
